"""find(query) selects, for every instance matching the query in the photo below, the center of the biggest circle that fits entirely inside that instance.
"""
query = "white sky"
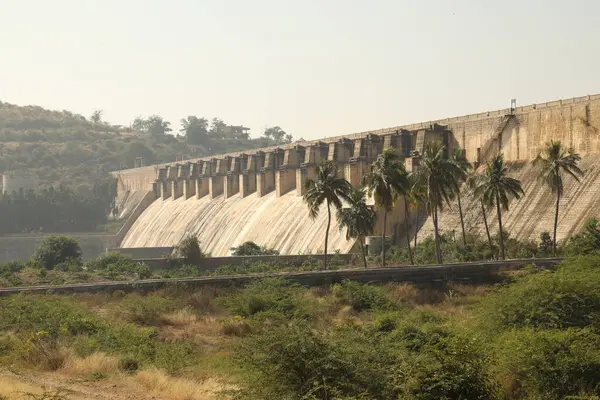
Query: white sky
(314, 67)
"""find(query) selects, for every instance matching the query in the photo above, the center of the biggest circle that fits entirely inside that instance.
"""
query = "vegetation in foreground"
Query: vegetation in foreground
(536, 336)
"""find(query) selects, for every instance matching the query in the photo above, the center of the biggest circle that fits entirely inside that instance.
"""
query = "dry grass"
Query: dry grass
(204, 330)
(161, 384)
(13, 388)
(182, 317)
(406, 293)
(96, 363)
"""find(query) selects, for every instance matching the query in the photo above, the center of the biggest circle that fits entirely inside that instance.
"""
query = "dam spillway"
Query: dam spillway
(257, 195)
(276, 222)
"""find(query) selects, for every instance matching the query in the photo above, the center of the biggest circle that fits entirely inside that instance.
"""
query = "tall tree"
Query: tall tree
(473, 180)
(458, 157)
(325, 188)
(157, 126)
(96, 117)
(554, 161)
(217, 128)
(276, 133)
(358, 219)
(386, 180)
(194, 129)
(417, 199)
(497, 188)
(439, 177)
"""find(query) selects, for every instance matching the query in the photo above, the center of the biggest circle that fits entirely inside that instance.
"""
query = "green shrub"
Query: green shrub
(54, 315)
(568, 297)
(252, 249)
(549, 365)
(190, 251)
(145, 310)
(587, 242)
(114, 265)
(293, 361)
(362, 297)
(268, 295)
(54, 249)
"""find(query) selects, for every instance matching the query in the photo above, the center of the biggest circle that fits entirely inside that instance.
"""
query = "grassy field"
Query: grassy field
(534, 336)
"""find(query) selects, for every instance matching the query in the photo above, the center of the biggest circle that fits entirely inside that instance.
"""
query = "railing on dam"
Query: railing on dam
(469, 272)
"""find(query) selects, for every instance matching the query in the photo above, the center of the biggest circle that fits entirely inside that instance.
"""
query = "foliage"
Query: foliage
(54, 249)
(568, 297)
(65, 148)
(550, 364)
(362, 297)
(252, 249)
(295, 361)
(586, 242)
(496, 187)
(278, 135)
(553, 162)
(268, 296)
(190, 251)
(145, 310)
(438, 178)
(115, 265)
(358, 219)
(326, 189)
(55, 210)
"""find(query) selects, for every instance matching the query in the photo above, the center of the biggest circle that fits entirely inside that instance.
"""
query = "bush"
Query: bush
(114, 264)
(54, 250)
(362, 297)
(568, 297)
(189, 250)
(586, 242)
(129, 365)
(252, 249)
(549, 365)
(146, 310)
(268, 295)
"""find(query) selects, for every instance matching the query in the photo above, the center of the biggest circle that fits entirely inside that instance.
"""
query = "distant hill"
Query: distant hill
(61, 147)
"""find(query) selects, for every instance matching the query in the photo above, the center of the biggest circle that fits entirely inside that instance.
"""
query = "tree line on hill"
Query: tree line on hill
(62, 147)
(437, 181)
(56, 209)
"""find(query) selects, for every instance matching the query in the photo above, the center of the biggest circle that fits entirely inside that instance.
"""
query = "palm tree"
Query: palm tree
(472, 182)
(439, 177)
(326, 188)
(358, 219)
(553, 162)
(496, 187)
(386, 180)
(417, 199)
(458, 157)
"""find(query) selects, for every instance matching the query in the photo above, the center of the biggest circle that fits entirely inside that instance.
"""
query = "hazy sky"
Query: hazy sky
(315, 68)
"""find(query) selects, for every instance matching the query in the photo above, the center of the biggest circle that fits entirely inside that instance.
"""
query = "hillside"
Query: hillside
(66, 148)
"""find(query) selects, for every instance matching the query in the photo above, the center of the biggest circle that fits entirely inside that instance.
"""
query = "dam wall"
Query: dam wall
(257, 195)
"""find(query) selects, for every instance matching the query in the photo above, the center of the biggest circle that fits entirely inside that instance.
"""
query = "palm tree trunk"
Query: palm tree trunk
(462, 220)
(501, 234)
(438, 251)
(487, 228)
(410, 254)
(327, 234)
(383, 237)
(362, 249)
(555, 222)
(417, 220)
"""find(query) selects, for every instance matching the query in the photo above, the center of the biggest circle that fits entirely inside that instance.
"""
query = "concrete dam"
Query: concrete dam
(257, 195)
